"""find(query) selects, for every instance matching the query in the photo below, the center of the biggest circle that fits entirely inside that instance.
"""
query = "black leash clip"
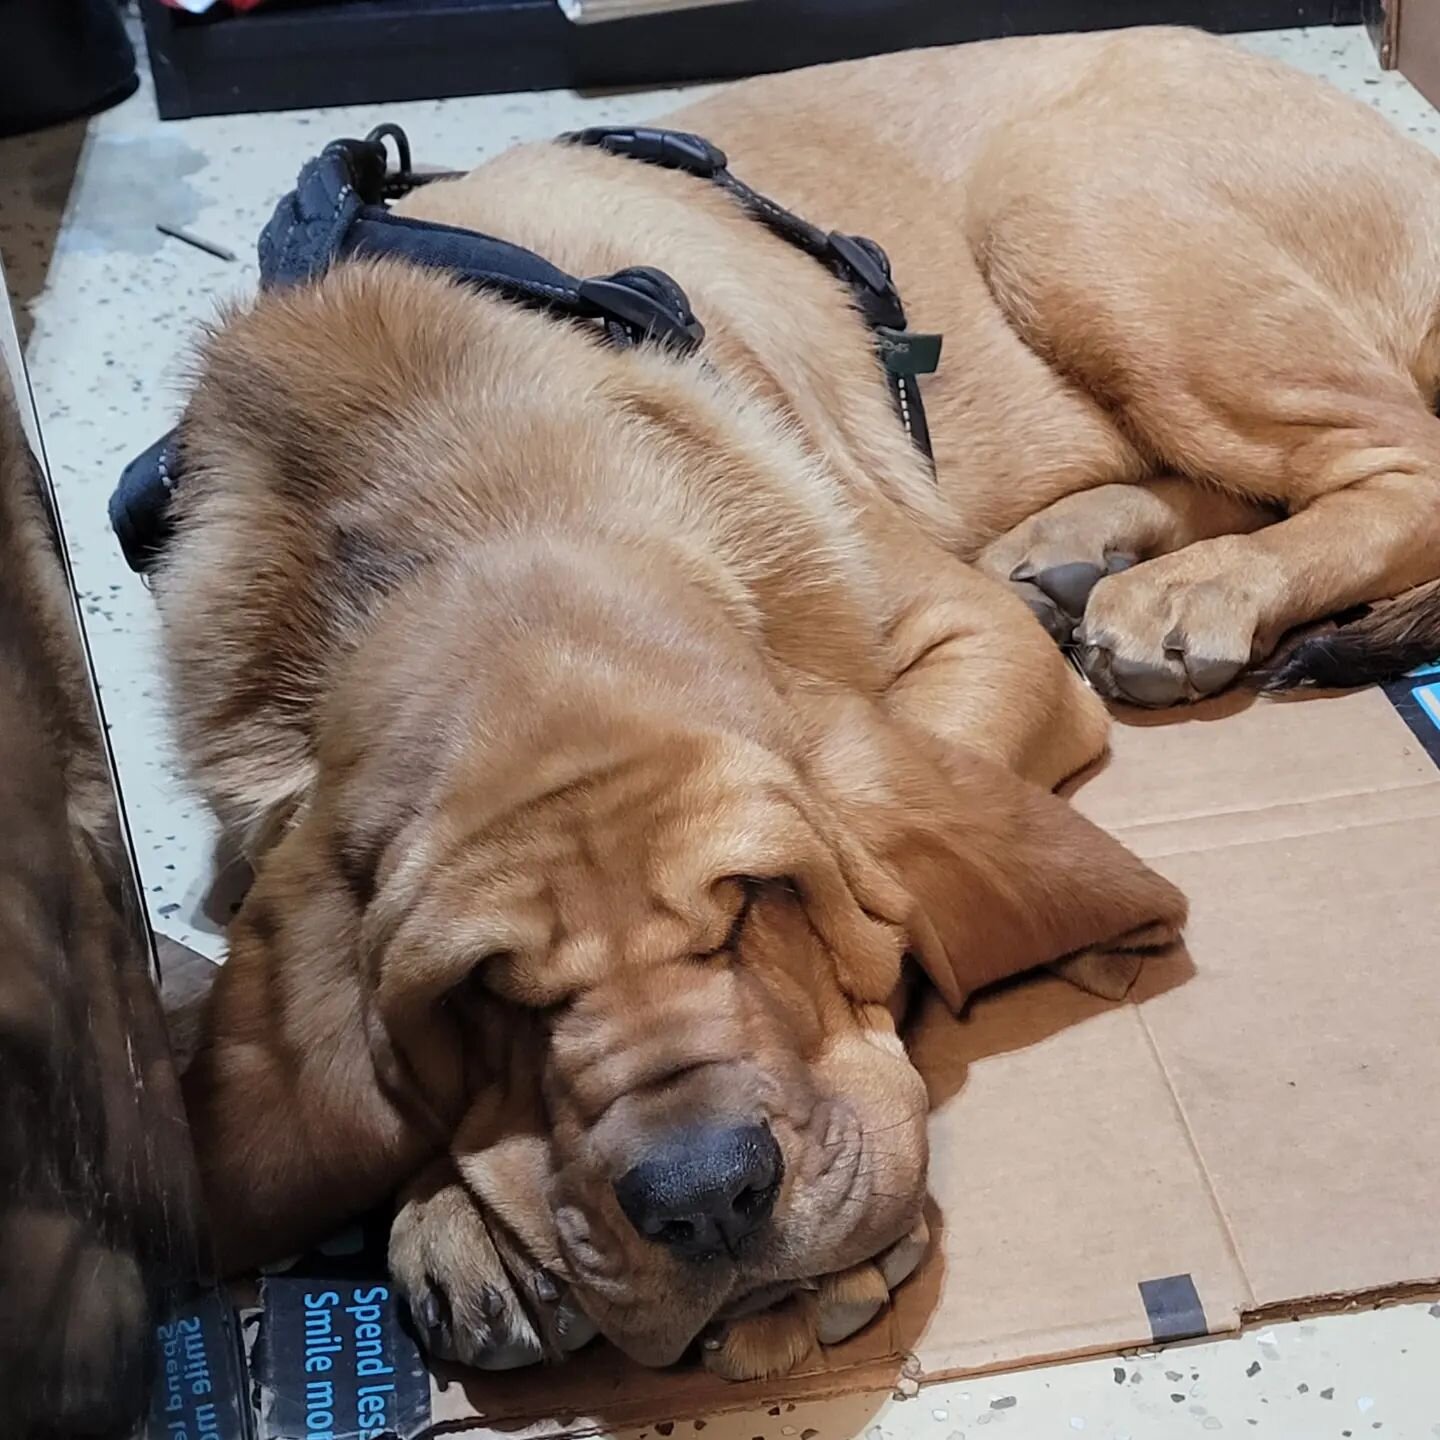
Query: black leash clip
(399, 182)
(645, 304)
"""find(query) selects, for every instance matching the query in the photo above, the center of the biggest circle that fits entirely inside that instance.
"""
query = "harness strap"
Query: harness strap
(856, 259)
(338, 211)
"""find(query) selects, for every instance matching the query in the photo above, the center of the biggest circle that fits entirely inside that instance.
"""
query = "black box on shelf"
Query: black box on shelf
(344, 52)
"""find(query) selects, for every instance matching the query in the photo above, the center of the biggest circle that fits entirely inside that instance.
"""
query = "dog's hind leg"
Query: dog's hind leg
(1056, 557)
(1243, 339)
(1365, 527)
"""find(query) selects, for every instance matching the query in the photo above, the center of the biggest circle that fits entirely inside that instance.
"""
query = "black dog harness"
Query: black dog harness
(338, 211)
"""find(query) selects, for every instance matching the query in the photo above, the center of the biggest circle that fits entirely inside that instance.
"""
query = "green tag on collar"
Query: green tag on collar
(905, 352)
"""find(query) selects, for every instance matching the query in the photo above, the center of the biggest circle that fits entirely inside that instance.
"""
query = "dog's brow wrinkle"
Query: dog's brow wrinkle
(358, 861)
(583, 784)
(585, 848)
(477, 838)
(669, 1075)
(582, 959)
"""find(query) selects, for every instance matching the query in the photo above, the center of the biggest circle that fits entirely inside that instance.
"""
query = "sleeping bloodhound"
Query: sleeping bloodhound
(613, 728)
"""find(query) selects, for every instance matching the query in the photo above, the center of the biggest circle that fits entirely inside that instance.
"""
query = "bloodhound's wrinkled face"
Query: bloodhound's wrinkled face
(659, 986)
(637, 969)
(726, 1135)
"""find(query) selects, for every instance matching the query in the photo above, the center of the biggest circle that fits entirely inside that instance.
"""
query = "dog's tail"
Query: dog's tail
(1384, 642)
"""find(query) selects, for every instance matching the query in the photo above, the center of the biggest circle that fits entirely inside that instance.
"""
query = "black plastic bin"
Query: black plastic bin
(60, 59)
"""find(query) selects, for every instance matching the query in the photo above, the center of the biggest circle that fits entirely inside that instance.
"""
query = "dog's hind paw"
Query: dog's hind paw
(1178, 628)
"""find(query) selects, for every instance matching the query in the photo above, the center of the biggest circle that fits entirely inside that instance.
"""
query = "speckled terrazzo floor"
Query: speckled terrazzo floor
(106, 305)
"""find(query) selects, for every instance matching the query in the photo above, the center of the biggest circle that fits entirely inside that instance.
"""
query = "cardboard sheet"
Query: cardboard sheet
(1307, 834)
(1257, 1130)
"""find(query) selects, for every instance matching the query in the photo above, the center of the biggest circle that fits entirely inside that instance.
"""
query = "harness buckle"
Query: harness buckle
(670, 149)
(647, 305)
(866, 263)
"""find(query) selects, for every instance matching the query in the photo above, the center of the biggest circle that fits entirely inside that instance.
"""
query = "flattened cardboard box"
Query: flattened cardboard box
(1257, 1131)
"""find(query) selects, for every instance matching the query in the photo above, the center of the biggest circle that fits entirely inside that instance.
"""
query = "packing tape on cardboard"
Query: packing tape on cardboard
(1173, 1306)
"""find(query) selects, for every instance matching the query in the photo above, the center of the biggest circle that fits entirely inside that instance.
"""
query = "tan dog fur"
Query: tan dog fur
(596, 717)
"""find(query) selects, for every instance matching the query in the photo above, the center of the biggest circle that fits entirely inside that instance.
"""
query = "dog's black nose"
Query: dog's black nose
(701, 1191)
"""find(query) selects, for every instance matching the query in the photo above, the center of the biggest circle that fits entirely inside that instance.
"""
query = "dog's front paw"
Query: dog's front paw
(775, 1341)
(1054, 559)
(468, 1305)
(1175, 629)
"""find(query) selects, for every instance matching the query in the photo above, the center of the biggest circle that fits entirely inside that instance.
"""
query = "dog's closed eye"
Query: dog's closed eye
(735, 894)
(474, 985)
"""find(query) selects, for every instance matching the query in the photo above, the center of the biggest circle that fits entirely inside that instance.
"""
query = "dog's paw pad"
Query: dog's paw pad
(1069, 586)
(1157, 684)
(515, 1352)
(1143, 683)
(1210, 676)
(573, 1328)
(431, 1316)
(1056, 624)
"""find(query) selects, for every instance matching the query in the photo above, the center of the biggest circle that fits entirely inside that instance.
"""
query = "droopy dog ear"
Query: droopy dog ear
(294, 1129)
(1002, 876)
